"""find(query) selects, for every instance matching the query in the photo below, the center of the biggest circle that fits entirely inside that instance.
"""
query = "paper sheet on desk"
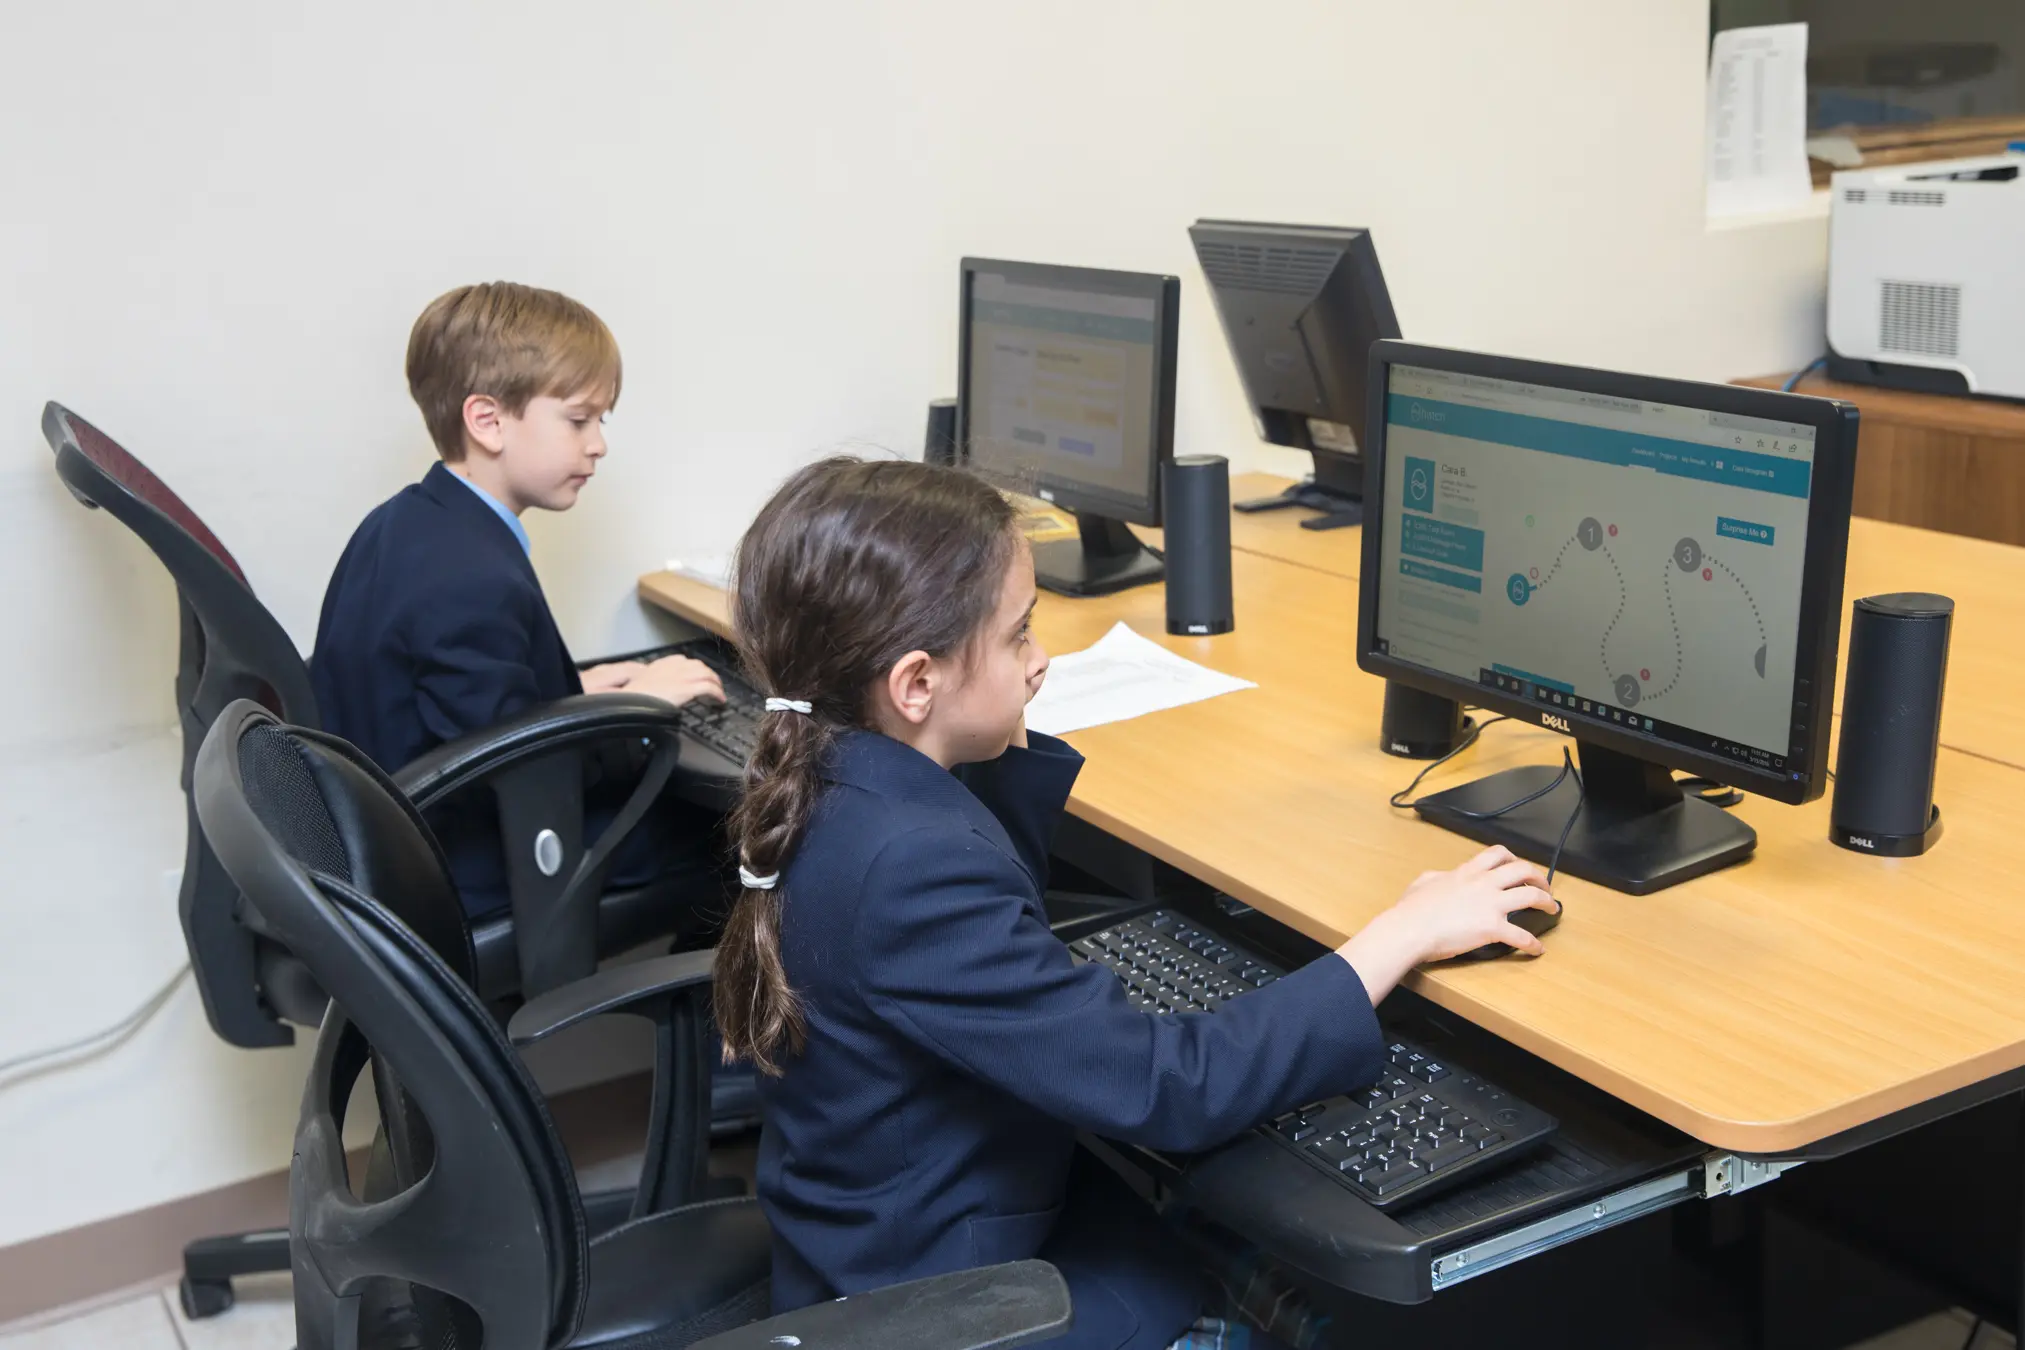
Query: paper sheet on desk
(713, 569)
(1118, 677)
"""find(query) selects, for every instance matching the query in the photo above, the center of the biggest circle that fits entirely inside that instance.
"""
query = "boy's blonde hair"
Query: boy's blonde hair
(512, 342)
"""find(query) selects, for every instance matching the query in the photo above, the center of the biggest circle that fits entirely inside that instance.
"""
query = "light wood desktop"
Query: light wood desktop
(1806, 992)
(1986, 580)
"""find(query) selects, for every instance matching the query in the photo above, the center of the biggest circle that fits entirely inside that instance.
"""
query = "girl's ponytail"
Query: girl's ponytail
(850, 566)
(757, 1011)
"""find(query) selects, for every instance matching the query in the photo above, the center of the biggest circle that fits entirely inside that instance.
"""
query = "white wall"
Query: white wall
(220, 219)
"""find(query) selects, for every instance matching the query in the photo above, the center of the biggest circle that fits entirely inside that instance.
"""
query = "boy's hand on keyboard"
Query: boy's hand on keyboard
(678, 679)
(1445, 914)
(613, 675)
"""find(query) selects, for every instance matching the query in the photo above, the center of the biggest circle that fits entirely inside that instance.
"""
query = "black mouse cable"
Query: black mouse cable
(1472, 731)
(1403, 797)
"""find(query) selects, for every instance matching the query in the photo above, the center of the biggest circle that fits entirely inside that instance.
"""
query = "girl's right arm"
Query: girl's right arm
(1445, 914)
(950, 949)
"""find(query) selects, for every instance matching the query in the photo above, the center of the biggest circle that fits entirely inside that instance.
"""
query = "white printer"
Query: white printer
(1926, 276)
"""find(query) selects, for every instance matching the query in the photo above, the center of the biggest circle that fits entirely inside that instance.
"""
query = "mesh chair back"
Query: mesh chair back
(350, 879)
(231, 648)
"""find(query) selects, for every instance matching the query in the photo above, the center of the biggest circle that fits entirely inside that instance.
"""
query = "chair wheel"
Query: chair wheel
(204, 1298)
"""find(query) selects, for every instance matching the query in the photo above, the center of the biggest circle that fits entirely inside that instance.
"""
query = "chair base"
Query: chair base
(211, 1264)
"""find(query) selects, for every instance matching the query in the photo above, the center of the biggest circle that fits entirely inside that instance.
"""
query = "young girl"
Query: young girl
(928, 1047)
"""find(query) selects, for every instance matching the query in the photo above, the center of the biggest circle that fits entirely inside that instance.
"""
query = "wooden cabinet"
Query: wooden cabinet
(1954, 464)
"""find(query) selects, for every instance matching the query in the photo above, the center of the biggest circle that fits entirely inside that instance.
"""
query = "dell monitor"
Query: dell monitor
(1652, 567)
(1301, 306)
(1065, 390)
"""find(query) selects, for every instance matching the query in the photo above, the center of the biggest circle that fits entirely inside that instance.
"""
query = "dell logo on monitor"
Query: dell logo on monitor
(1557, 723)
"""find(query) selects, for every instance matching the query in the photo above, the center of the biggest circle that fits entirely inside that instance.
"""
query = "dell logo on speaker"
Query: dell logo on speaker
(1558, 723)
(1858, 841)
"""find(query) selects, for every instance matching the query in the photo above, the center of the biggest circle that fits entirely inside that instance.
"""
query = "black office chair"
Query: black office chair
(467, 1229)
(561, 919)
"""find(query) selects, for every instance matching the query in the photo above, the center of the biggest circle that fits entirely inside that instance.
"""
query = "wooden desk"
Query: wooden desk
(1987, 581)
(1807, 992)
(1943, 463)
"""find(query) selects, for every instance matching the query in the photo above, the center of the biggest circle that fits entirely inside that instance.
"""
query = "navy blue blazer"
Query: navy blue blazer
(954, 1048)
(434, 626)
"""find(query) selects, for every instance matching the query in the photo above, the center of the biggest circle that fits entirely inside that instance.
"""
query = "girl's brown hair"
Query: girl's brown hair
(852, 565)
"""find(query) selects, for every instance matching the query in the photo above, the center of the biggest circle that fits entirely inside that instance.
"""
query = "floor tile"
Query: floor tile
(141, 1324)
(261, 1318)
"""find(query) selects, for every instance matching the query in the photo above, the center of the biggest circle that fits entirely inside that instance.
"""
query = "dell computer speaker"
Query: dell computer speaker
(1195, 505)
(1891, 725)
(1418, 725)
(941, 446)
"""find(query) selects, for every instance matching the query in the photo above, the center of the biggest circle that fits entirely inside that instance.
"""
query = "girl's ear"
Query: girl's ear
(909, 688)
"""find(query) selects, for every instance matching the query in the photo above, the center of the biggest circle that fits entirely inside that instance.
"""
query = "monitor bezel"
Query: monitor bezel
(1165, 293)
(1828, 510)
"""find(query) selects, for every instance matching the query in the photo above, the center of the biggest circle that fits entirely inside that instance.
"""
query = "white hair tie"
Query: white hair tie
(754, 881)
(795, 705)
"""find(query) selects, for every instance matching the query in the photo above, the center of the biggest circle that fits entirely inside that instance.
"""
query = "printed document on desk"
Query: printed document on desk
(1121, 676)
(713, 569)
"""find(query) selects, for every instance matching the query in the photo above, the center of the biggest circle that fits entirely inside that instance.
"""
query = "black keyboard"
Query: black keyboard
(730, 728)
(1422, 1128)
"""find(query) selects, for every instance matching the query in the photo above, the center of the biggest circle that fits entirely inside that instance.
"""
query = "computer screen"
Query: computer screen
(1606, 557)
(1300, 307)
(1653, 567)
(1065, 390)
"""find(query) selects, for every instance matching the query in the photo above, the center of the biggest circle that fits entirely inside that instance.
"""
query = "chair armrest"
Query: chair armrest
(634, 986)
(544, 729)
(990, 1308)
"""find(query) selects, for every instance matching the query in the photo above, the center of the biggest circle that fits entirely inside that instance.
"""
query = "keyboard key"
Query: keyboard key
(1336, 1153)
(1159, 918)
(1427, 1071)
(1394, 1178)
(1447, 1155)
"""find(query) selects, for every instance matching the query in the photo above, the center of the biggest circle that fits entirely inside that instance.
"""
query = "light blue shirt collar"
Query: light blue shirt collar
(499, 509)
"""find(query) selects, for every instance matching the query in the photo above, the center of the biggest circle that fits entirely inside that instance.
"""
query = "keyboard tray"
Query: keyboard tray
(1606, 1156)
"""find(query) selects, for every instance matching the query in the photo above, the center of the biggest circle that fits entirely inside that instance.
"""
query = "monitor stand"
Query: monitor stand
(1104, 557)
(1336, 489)
(1637, 831)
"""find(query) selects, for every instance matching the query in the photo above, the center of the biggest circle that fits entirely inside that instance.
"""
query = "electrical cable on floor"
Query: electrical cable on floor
(21, 1068)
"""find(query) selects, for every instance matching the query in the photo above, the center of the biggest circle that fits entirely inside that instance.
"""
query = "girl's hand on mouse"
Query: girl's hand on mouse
(1445, 914)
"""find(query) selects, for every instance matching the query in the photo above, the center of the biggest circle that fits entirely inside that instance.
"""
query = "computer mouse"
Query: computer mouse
(1538, 922)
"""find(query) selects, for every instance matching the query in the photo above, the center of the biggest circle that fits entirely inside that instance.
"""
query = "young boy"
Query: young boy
(434, 625)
